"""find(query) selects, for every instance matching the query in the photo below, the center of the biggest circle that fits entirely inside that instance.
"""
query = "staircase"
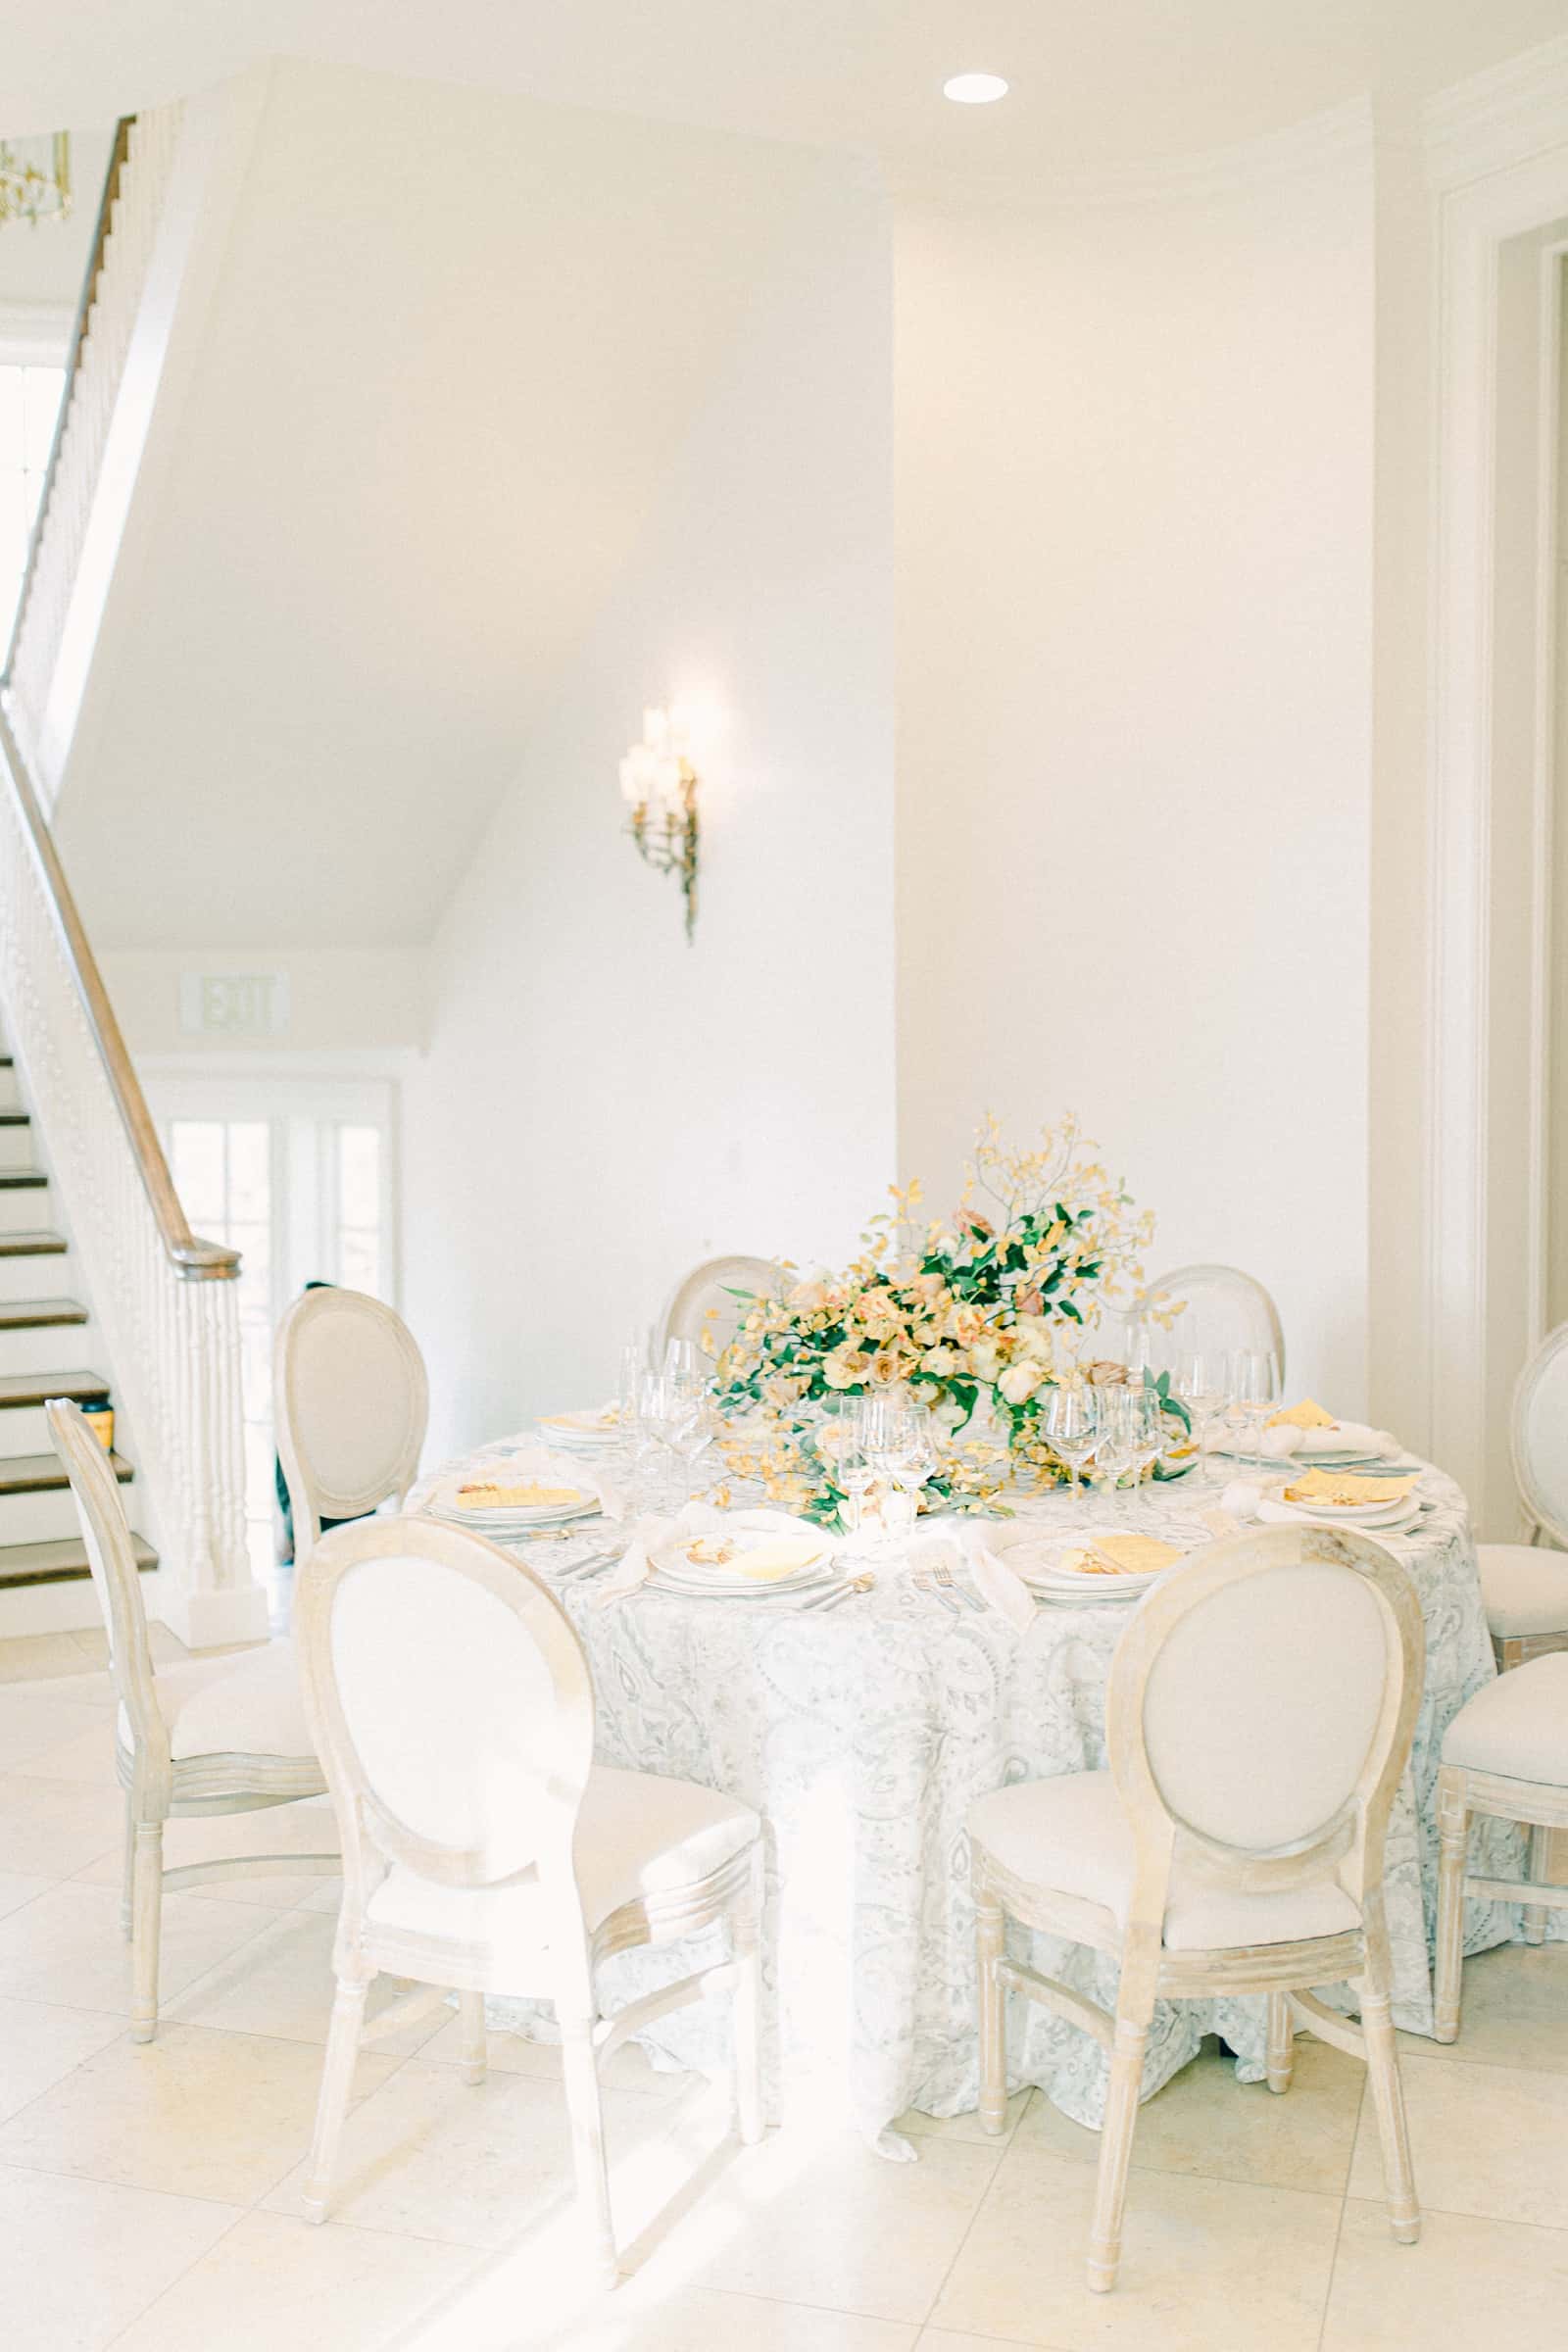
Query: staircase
(47, 1347)
(105, 1292)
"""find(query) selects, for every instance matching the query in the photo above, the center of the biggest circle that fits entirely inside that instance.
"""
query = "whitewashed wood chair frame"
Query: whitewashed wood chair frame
(159, 1785)
(1250, 1293)
(1463, 1793)
(1545, 1512)
(393, 1420)
(1347, 1847)
(376, 1840)
(685, 1316)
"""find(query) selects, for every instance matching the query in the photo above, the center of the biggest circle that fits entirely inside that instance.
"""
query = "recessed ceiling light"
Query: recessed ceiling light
(974, 89)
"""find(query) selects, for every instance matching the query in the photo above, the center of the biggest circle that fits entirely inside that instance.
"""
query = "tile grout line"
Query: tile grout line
(1338, 2227)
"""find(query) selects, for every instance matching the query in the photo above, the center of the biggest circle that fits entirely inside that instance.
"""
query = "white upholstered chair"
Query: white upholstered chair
(704, 1303)
(208, 1735)
(1525, 1585)
(1259, 1715)
(1225, 1310)
(484, 1849)
(351, 1402)
(1504, 1757)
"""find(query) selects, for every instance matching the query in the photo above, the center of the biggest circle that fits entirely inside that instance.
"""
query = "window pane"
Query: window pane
(358, 1177)
(250, 1172)
(256, 1370)
(359, 1260)
(196, 1154)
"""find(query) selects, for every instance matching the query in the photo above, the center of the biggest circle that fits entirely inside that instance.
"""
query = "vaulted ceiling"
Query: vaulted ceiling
(1101, 85)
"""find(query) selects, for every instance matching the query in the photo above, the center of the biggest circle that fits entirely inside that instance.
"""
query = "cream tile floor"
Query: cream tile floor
(148, 2195)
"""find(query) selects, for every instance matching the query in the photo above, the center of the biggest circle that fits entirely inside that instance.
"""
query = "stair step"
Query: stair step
(43, 1474)
(16, 1118)
(61, 1563)
(36, 1388)
(15, 1180)
(39, 1314)
(33, 1245)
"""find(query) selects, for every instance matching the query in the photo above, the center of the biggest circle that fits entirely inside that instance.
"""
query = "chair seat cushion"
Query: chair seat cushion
(243, 1707)
(1517, 1725)
(638, 1835)
(1525, 1590)
(1072, 1835)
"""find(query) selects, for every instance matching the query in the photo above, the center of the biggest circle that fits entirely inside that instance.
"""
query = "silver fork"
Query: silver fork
(926, 1582)
(946, 1582)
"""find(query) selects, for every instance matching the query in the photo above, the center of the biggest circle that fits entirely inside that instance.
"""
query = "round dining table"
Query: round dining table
(862, 1734)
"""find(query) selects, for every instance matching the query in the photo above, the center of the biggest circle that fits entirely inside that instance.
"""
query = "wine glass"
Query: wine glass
(1112, 1439)
(883, 1436)
(1204, 1385)
(1256, 1385)
(852, 1473)
(682, 1360)
(1146, 1428)
(1071, 1426)
(915, 1459)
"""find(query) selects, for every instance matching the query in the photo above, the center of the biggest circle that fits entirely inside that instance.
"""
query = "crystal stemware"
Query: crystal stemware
(1204, 1385)
(1255, 1384)
(1071, 1424)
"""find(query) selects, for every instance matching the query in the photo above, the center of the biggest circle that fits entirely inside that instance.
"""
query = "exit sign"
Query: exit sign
(233, 1004)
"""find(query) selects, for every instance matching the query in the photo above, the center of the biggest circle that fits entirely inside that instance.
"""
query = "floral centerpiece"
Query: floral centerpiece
(985, 1309)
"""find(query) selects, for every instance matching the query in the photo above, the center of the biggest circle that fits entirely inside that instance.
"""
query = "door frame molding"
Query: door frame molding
(1502, 179)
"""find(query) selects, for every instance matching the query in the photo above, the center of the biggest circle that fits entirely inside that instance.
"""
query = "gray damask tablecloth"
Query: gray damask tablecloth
(863, 1736)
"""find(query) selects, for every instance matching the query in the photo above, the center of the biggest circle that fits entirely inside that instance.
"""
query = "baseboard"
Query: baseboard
(213, 1620)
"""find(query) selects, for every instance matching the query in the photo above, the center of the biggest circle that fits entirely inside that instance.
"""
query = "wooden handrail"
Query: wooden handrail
(118, 153)
(194, 1259)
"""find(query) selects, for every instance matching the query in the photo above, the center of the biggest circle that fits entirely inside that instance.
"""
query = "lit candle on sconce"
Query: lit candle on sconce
(658, 784)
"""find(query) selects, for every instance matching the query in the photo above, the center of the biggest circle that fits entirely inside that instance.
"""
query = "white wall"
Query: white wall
(1134, 554)
(603, 1104)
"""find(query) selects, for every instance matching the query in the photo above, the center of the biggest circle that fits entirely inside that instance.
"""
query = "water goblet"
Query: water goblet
(1204, 1385)
(1256, 1385)
(1112, 1441)
(683, 1361)
(915, 1460)
(1070, 1423)
(1146, 1428)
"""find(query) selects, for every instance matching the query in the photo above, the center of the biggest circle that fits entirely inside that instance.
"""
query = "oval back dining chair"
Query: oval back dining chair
(209, 1736)
(351, 1403)
(1259, 1715)
(1225, 1310)
(705, 1306)
(484, 1849)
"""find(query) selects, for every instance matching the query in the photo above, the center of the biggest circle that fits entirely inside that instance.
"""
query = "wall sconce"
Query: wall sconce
(659, 785)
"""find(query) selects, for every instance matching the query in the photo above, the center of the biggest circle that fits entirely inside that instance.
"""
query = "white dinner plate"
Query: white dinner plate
(674, 1566)
(1350, 1514)
(581, 1432)
(1044, 1575)
(492, 1518)
(1399, 1525)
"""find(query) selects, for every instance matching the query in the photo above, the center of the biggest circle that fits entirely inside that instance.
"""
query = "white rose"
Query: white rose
(984, 1357)
(843, 1368)
(1019, 1381)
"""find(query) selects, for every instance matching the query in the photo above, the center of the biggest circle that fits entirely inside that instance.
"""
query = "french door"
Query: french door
(299, 1175)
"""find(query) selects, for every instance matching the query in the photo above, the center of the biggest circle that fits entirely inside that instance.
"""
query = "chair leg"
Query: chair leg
(332, 2101)
(473, 2036)
(585, 2110)
(1453, 1835)
(1116, 2145)
(1534, 1926)
(1281, 2043)
(1388, 2094)
(127, 1878)
(747, 1938)
(991, 1929)
(146, 1927)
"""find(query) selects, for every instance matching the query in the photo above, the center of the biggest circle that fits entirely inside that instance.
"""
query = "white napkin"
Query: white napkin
(1242, 1499)
(1355, 1436)
(997, 1584)
(526, 1459)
